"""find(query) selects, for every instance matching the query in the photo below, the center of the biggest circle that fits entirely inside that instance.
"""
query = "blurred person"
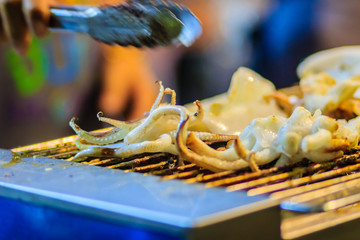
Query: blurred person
(283, 39)
(296, 29)
(62, 75)
(205, 69)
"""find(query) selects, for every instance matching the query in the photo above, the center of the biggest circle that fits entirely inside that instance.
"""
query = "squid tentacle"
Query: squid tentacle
(80, 145)
(199, 115)
(140, 132)
(173, 95)
(211, 163)
(117, 123)
(159, 97)
(163, 144)
(198, 146)
(161, 94)
(208, 137)
(102, 138)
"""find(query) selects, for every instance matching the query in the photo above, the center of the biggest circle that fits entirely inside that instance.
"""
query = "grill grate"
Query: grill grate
(279, 183)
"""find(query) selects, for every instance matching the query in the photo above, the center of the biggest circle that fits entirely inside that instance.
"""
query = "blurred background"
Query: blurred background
(66, 75)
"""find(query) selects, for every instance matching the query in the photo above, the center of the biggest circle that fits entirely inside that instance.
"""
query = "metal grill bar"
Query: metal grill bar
(342, 188)
(294, 183)
(134, 162)
(297, 226)
(182, 175)
(241, 178)
(210, 177)
(148, 167)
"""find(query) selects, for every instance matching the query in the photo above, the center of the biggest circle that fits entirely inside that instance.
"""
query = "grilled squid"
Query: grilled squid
(254, 137)
(154, 133)
(329, 81)
(288, 140)
(303, 135)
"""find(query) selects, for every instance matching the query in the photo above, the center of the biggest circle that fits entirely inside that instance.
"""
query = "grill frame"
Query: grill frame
(132, 199)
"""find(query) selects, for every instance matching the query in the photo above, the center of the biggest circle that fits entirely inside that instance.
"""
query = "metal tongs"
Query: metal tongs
(138, 23)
